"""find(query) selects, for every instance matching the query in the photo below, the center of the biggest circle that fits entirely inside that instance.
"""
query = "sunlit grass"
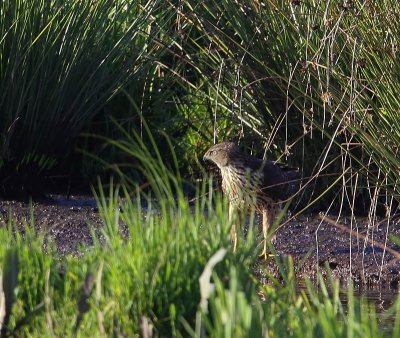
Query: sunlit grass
(163, 266)
(315, 82)
(142, 276)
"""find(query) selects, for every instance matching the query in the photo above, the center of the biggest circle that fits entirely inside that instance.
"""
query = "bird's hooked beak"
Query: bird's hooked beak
(206, 156)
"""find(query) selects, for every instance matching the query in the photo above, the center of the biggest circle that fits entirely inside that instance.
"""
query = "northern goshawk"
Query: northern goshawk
(252, 183)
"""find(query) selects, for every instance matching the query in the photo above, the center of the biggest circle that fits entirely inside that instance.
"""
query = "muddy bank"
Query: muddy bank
(315, 244)
(67, 221)
(312, 244)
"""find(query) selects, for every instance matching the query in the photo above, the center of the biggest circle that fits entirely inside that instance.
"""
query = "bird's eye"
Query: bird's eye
(214, 152)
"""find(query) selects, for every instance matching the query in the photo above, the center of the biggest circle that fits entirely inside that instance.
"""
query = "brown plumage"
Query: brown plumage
(250, 183)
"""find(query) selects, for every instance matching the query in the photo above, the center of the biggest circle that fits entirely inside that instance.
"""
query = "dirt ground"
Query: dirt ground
(315, 244)
(312, 244)
(65, 220)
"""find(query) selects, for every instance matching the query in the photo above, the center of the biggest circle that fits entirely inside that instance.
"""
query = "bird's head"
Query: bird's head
(221, 153)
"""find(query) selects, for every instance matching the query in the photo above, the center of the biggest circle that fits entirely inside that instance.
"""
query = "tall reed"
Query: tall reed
(60, 64)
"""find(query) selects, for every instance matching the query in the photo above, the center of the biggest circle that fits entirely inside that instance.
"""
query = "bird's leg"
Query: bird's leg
(272, 217)
(265, 226)
(268, 219)
(233, 229)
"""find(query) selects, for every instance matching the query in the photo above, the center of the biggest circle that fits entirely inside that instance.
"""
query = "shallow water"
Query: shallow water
(75, 201)
(66, 220)
(382, 296)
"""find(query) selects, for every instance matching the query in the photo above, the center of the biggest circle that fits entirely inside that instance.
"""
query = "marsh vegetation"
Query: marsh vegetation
(137, 91)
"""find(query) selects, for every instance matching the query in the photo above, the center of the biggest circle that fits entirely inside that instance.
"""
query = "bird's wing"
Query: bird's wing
(280, 181)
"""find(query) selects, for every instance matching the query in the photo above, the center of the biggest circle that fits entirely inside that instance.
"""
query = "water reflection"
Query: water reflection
(382, 297)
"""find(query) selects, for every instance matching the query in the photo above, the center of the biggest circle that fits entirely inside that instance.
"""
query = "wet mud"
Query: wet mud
(361, 255)
(68, 222)
(315, 246)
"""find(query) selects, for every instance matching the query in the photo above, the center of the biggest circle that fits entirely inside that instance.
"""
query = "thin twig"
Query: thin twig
(364, 237)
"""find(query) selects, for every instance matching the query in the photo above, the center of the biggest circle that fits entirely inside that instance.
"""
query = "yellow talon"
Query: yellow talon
(264, 254)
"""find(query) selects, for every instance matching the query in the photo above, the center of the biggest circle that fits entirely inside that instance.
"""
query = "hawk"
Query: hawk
(252, 184)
